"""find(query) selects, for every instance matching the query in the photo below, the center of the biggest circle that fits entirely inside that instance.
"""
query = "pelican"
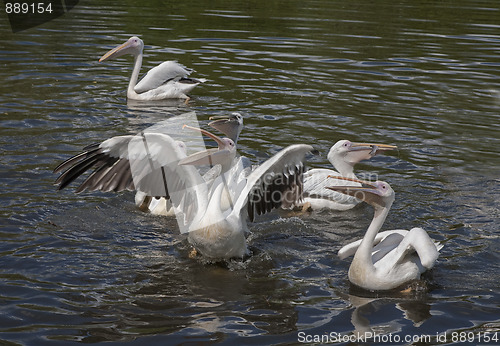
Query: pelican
(155, 164)
(231, 125)
(343, 155)
(390, 259)
(169, 80)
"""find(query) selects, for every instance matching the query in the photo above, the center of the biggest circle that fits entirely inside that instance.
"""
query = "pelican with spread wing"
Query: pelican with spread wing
(157, 164)
(169, 80)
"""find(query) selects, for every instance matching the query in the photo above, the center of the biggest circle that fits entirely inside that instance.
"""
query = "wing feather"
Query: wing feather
(274, 182)
(147, 162)
(316, 182)
(71, 161)
(92, 159)
(159, 75)
(102, 157)
(351, 248)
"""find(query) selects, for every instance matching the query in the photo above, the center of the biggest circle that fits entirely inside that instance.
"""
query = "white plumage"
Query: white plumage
(390, 259)
(169, 80)
(155, 164)
(343, 155)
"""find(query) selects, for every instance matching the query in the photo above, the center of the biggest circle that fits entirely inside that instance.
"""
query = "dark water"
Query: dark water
(90, 267)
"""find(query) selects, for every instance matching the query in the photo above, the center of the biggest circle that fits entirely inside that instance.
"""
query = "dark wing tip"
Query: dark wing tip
(276, 190)
(110, 173)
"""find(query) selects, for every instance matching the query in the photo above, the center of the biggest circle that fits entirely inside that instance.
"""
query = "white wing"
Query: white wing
(315, 183)
(159, 75)
(147, 162)
(109, 159)
(351, 248)
(415, 241)
(391, 247)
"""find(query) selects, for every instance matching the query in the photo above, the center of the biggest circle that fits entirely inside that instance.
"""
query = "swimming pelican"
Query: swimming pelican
(155, 164)
(390, 259)
(169, 80)
(343, 155)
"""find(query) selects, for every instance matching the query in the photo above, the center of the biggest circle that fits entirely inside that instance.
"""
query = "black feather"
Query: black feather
(78, 169)
(74, 159)
(270, 193)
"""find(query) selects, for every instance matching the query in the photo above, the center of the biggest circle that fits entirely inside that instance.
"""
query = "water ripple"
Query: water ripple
(91, 268)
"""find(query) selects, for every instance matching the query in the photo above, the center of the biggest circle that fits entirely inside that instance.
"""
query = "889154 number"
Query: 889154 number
(25, 8)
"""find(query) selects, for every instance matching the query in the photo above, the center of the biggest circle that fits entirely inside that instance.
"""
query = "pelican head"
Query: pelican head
(347, 152)
(134, 46)
(378, 194)
(230, 125)
(223, 155)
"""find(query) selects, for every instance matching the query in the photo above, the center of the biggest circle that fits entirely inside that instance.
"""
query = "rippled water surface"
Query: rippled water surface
(424, 76)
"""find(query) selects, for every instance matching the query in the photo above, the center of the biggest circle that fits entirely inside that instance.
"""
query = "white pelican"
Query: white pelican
(155, 164)
(343, 155)
(390, 259)
(231, 125)
(169, 80)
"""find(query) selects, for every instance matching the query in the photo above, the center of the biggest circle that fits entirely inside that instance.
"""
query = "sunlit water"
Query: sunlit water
(91, 267)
